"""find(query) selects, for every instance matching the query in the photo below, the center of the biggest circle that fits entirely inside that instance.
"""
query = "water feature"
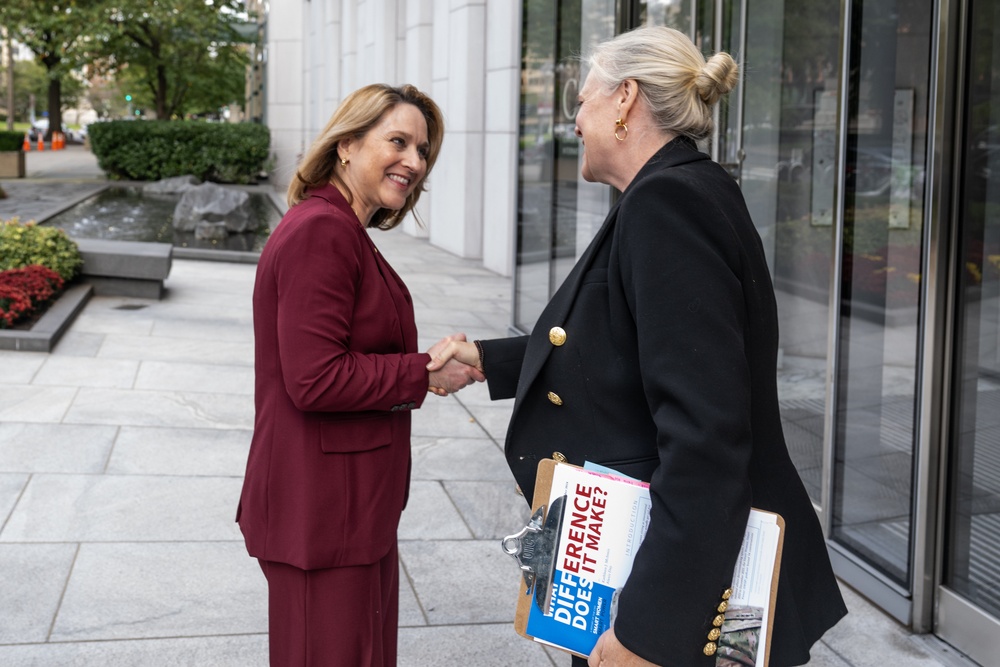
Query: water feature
(126, 213)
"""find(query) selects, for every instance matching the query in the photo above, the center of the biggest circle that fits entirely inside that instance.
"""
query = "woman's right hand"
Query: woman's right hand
(455, 348)
(451, 367)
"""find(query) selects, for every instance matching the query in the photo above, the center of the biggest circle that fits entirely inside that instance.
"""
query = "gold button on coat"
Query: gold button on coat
(714, 634)
(558, 457)
(710, 648)
(557, 336)
(554, 398)
(718, 621)
(728, 593)
(723, 606)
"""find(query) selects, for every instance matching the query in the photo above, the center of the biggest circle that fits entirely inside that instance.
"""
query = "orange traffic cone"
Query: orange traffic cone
(27, 144)
(41, 142)
(57, 141)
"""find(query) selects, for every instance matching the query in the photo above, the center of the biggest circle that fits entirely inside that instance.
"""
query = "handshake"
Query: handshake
(454, 365)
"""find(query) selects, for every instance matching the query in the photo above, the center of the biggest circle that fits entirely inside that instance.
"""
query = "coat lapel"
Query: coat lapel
(678, 151)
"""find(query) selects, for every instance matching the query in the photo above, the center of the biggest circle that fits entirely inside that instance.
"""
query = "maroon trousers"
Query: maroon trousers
(336, 617)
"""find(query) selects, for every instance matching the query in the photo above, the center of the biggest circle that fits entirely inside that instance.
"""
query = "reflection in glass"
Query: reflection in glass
(558, 213)
(789, 138)
(972, 551)
(880, 284)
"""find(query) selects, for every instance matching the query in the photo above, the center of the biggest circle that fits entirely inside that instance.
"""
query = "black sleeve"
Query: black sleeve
(502, 359)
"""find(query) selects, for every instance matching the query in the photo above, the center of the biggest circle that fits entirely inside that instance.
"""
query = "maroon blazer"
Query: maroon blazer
(337, 372)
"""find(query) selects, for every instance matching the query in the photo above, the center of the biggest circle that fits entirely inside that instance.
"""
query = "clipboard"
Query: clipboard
(739, 623)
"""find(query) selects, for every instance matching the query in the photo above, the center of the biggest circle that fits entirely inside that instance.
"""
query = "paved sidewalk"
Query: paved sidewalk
(121, 458)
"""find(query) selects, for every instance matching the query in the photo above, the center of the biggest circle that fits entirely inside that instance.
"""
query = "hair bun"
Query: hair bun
(719, 76)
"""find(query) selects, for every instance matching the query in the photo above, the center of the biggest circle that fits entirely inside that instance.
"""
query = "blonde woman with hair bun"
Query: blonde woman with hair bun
(657, 357)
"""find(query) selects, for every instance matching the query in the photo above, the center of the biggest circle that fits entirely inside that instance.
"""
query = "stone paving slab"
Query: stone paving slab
(33, 581)
(195, 452)
(160, 408)
(11, 487)
(65, 371)
(485, 592)
(492, 510)
(150, 348)
(44, 405)
(445, 417)
(176, 589)
(436, 458)
(481, 645)
(431, 515)
(188, 377)
(55, 448)
(106, 508)
(243, 650)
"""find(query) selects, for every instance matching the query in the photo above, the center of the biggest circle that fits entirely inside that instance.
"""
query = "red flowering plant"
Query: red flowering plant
(14, 304)
(24, 290)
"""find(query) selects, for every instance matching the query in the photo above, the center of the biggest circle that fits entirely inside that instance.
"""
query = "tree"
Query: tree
(181, 56)
(59, 35)
(31, 78)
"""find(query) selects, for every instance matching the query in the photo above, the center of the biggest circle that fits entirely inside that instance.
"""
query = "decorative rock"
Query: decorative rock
(214, 203)
(171, 186)
(211, 231)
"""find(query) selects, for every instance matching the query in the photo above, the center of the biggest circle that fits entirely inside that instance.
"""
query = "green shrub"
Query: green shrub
(26, 244)
(11, 141)
(151, 150)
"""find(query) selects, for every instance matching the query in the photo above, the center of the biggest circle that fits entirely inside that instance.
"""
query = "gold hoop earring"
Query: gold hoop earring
(618, 126)
(344, 161)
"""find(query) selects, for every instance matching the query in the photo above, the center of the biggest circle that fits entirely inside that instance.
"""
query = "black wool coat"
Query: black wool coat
(668, 373)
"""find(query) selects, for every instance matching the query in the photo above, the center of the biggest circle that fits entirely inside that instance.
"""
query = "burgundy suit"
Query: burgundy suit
(337, 372)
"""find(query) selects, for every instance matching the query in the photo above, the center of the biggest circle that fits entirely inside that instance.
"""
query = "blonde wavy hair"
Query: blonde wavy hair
(678, 84)
(355, 116)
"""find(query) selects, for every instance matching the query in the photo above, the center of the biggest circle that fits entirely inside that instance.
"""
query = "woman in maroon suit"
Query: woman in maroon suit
(337, 373)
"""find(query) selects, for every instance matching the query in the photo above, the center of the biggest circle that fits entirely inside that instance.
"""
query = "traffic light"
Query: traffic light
(128, 98)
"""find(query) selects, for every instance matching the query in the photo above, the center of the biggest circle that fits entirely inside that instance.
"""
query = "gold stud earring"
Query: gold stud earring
(619, 124)
(344, 161)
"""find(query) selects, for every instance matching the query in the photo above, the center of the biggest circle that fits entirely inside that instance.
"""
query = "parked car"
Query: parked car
(40, 127)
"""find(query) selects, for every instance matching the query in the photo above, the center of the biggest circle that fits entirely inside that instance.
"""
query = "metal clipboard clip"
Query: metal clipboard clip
(534, 548)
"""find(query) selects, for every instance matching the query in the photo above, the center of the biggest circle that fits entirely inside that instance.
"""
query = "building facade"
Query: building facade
(864, 135)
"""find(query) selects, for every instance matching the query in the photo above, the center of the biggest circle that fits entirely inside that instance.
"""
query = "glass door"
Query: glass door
(969, 600)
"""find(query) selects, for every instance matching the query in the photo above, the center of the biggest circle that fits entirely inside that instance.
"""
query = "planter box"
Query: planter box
(45, 333)
(11, 164)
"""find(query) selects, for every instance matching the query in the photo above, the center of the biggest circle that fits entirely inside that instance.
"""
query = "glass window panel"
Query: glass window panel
(558, 212)
(880, 283)
(972, 560)
(789, 138)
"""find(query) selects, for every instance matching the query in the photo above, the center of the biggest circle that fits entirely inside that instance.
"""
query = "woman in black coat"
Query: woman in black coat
(657, 357)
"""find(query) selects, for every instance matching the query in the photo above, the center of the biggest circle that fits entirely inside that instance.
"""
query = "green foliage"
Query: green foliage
(11, 141)
(26, 244)
(151, 150)
(59, 34)
(177, 58)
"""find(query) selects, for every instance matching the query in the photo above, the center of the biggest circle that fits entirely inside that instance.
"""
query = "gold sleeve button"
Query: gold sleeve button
(714, 634)
(557, 336)
(718, 621)
(710, 648)
(728, 593)
(723, 606)
(554, 398)
(558, 457)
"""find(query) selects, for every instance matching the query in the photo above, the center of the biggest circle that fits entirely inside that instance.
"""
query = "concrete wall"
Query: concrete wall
(464, 53)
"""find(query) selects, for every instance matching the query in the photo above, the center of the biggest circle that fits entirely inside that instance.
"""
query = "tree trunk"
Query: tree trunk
(55, 108)
(162, 113)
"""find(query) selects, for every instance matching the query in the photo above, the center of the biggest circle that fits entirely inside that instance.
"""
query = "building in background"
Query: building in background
(866, 138)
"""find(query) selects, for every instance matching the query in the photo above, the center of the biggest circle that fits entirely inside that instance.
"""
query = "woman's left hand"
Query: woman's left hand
(609, 652)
